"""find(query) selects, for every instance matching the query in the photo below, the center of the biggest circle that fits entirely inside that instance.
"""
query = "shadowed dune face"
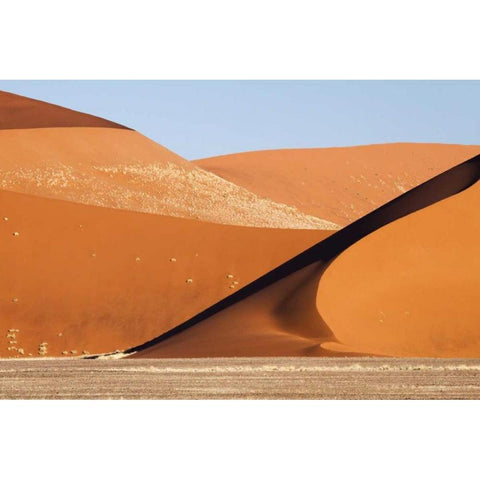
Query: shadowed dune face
(412, 287)
(84, 278)
(280, 320)
(338, 184)
(22, 112)
(401, 287)
(123, 169)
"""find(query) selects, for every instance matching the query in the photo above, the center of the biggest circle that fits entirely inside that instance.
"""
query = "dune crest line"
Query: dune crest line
(447, 184)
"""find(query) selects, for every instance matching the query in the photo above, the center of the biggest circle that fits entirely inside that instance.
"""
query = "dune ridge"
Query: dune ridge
(339, 184)
(55, 152)
(17, 111)
(196, 335)
(422, 298)
(118, 168)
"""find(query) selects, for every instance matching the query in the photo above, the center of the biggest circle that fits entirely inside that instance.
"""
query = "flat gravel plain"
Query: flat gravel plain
(241, 378)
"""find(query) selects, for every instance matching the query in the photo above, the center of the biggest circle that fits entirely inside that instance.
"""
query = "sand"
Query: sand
(241, 378)
(413, 286)
(394, 283)
(120, 168)
(110, 242)
(338, 184)
(22, 112)
(80, 278)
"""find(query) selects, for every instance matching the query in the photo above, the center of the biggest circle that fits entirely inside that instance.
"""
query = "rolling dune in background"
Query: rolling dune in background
(120, 168)
(17, 111)
(338, 184)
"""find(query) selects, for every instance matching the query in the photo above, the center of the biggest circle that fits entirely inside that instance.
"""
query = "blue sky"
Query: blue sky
(204, 118)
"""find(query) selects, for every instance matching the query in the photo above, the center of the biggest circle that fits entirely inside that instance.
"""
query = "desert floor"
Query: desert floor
(241, 378)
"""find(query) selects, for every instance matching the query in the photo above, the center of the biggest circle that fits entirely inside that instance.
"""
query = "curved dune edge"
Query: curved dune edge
(280, 320)
(422, 297)
(78, 278)
(339, 184)
(255, 312)
(17, 111)
(123, 169)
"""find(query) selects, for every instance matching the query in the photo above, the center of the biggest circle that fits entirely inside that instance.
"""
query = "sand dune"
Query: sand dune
(423, 297)
(120, 168)
(81, 278)
(280, 320)
(22, 112)
(325, 302)
(109, 241)
(123, 169)
(338, 184)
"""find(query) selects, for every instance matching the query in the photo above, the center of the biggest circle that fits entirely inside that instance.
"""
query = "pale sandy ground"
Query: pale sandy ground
(241, 378)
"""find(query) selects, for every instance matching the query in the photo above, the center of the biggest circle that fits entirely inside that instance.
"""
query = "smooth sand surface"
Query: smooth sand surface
(413, 287)
(120, 168)
(23, 112)
(81, 278)
(338, 184)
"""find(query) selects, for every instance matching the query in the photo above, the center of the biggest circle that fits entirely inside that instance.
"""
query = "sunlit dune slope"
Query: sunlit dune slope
(22, 112)
(338, 184)
(81, 278)
(413, 287)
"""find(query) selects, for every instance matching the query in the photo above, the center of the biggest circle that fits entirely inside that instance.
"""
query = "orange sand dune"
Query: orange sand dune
(123, 169)
(81, 278)
(120, 168)
(22, 112)
(94, 260)
(413, 287)
(407, 287)
(338, 184)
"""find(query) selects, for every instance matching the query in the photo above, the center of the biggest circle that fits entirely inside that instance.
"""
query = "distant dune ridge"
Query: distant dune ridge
(109, 241)
(120, 168)
(23, 112)
(338, 184)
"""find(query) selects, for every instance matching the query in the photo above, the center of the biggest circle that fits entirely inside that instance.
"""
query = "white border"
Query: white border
(240, 440)
(260, 39)
(252, 39)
